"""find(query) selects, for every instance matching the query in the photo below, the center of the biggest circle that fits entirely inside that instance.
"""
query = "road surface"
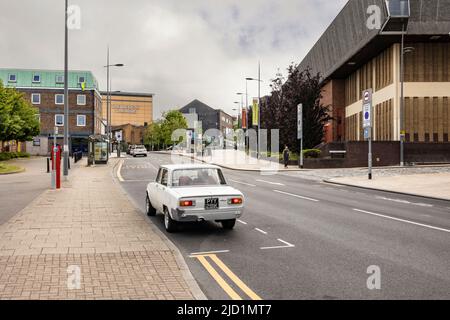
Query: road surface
(302, 239)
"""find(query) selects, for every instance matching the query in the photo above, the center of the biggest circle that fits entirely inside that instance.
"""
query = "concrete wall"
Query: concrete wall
(41, 150)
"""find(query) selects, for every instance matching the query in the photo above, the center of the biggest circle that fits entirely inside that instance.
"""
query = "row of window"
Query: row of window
(81, 120)
(37, 78)
(59, 99)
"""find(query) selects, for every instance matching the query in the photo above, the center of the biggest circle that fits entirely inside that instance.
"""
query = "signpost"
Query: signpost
(300, 131)
(367, 124)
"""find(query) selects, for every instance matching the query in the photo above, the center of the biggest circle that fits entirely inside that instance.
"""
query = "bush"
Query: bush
(311, 153)
(4, 156)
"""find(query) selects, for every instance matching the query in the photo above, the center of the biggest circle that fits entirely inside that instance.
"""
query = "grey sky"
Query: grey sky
(178, 49)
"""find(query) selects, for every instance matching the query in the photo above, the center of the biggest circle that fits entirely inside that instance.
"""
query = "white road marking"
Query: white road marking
(270, 182)
(247, 184)
(259, 230)
(240, 221)
(287, 245)
(193, 254)
(406, 202)
(119, 176)
(296, 196)
(402, 220)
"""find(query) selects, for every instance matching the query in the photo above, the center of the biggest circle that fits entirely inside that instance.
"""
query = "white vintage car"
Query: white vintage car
(193, 192)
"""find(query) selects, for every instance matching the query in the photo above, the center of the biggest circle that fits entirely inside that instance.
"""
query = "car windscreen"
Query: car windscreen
(197, 177)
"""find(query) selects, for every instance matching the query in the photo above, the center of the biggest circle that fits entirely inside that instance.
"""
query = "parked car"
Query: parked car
(193, 193)
(139, 151)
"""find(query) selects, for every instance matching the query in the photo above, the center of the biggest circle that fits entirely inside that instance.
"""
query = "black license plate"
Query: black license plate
(211, 203)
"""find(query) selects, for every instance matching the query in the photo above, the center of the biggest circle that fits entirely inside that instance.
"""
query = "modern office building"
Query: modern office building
(361, 49)
(129, 108)
(45, 90)
(211, 118)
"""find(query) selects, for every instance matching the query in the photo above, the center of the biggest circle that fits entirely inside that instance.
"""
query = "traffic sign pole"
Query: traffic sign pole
(367, 125)
(300, 131)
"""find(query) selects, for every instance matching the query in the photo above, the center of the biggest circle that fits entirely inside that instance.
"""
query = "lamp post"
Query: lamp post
(108, 99)
(240, 108)
(259, 105)
(66, 95)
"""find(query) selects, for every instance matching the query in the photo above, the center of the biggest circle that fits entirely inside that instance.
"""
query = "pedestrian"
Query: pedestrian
(286, 156)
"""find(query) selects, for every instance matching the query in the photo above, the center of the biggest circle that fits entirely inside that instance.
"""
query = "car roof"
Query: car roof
(189, 166)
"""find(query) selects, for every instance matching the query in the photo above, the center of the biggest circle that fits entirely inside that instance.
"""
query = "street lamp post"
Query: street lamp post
(108, 100)
(66, 96)
(259, 105)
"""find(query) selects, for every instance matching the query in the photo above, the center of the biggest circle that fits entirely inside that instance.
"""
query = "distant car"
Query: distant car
(139, 151)
(130, 147)
(193, 193)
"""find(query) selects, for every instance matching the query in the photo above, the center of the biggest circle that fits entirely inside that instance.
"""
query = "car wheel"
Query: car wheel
(134, 156)
(149, 208)
(170, 224)
(228, 224)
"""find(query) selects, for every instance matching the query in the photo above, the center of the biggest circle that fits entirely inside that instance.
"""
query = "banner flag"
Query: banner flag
(255, 112)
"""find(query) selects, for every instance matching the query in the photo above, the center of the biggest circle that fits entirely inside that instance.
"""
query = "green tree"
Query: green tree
(173, 120)
(17, 116)
(280, 109)
(159, 134)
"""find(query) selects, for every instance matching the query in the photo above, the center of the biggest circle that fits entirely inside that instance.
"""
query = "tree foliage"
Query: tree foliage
(17, 116)
(279, 110)
(159, 133)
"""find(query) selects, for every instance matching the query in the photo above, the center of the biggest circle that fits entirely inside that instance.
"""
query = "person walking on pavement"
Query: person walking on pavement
(286, 156)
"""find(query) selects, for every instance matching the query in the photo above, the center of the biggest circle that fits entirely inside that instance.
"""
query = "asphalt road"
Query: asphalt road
(18, 190)
(301, 239)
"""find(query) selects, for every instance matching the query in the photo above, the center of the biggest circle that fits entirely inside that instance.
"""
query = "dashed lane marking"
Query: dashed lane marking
(296, 196)
(240, 182)
(270, 182)
(402, 220)
(240, 221)
(262, 231)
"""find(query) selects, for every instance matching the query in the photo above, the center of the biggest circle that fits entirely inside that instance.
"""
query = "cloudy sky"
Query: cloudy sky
(179, 50)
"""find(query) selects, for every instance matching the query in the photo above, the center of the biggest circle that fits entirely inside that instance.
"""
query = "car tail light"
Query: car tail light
(187, 203)
(235, 201)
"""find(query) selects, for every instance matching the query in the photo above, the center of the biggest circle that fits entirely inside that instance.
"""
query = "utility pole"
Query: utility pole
(66, 96)
(402, 71)
(259, 111)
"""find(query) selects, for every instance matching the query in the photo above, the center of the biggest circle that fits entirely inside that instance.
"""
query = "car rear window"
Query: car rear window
(197, 177)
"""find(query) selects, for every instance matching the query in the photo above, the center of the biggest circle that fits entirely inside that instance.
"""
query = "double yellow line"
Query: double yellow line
(221, 281)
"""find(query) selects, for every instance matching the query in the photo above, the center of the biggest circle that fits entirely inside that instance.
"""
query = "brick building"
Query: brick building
(352, 56)
(45, 91)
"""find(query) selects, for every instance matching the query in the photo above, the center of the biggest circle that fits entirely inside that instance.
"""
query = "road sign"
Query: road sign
(300, 121)
(118, 135)
(366, 133)
(367, 108)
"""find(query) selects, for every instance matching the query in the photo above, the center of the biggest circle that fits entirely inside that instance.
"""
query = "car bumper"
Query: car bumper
(206, 215)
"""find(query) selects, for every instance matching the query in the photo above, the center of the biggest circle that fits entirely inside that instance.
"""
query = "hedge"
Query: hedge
(311, 153)
(4, 156)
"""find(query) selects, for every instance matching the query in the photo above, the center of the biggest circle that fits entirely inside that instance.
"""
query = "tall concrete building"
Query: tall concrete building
(44, 89)
(361, 49)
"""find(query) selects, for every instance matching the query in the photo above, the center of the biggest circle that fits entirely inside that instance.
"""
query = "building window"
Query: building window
(81, 79)
(59, 120)
(37, 78)
(81, 120)
(12, 78)
(59, 99)
(36, 98)
(192, 110)
(59, 79)
(81, 100)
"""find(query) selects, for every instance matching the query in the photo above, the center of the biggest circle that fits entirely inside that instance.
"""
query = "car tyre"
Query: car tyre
(228, 224)
(151, 212)
(169, 224)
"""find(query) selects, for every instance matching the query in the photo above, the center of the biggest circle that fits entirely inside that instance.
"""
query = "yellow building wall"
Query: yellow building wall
(134, 110)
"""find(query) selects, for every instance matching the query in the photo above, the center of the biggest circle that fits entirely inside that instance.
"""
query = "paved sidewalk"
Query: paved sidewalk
(434, 185)
(90, 224)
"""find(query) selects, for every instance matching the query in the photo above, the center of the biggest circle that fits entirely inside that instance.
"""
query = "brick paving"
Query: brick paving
(89, 224)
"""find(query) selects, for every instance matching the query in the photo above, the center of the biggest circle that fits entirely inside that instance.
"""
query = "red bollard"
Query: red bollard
(57, 168)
